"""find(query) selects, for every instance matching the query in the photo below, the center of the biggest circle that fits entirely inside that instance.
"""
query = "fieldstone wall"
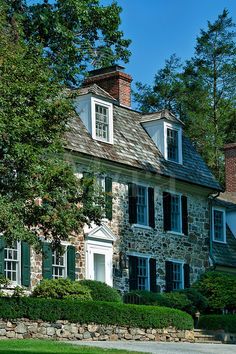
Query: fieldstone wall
(192, 249)
(64, 330)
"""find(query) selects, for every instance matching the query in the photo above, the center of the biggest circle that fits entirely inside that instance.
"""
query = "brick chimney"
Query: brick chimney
(114, 81)
(230, 167)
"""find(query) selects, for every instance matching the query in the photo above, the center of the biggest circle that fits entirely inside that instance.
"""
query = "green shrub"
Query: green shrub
(219, 289)
(101, 291)
(99, 312)
(60, 289)
(198, 301)
(140, 297)
(174, 299)
(215, 322)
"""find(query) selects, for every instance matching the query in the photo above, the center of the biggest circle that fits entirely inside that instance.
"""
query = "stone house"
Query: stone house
(155, 234)
(223, 230)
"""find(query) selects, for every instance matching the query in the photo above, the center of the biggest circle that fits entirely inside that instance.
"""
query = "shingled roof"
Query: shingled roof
(224, 254)
(133, 147)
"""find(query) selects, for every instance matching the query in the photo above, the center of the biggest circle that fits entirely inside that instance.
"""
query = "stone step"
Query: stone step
(208, 341)
(202, 336)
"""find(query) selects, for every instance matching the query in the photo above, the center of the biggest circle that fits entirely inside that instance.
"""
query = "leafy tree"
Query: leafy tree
(74, 34)
(203, 92)
(39, 193)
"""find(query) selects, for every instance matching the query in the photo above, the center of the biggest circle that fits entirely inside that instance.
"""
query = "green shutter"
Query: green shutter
(25, 264)
(2, 245)
(108, 197)
(71, 262)
(47, 261)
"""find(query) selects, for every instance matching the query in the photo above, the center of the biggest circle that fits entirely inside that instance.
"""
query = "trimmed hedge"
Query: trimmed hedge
(99, 312)
(61, 289)
(100, 291)
(214, 322)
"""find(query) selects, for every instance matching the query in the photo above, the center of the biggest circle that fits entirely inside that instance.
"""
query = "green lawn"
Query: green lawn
(47, 347)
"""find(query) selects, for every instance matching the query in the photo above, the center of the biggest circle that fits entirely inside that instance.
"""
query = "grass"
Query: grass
(31, 346)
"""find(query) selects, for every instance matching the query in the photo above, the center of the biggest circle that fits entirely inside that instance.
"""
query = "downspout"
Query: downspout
(211, 197)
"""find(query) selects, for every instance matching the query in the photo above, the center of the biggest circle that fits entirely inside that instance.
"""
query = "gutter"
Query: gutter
(212, 197)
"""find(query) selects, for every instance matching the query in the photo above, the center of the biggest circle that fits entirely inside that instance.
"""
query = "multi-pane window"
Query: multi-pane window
(172, 145)
(142, 271)
(102, 122)
(141, 205)
(218, 225)
(58, 265)
(175, 213)
(177, 276)
(12, 262)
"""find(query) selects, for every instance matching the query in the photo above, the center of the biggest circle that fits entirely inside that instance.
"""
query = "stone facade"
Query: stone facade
(64, 330)
(192, 249)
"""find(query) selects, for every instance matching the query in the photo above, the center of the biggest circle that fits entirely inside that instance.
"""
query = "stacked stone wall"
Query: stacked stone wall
(64, 330)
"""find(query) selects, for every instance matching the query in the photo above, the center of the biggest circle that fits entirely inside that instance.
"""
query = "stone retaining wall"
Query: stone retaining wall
(64, 330)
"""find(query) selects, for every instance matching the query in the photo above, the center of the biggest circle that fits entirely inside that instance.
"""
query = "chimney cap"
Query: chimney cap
(106, 70)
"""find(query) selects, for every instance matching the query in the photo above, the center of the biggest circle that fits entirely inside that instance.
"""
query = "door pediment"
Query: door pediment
(101, 233)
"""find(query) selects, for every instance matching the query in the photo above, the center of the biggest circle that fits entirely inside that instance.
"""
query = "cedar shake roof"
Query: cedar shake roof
(133, 146)
(164, 114)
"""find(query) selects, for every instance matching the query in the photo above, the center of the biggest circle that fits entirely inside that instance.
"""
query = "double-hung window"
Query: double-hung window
(141, 205)
(142, 217)
(59, 269)
(102, 122)
(175, 213)
(142, 273)
(172, 145)
(177, 275)
(219, 225)
(12, 262)
(56, 264)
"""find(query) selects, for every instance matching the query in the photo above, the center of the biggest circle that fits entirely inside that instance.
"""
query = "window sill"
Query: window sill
(139, 226)
(218, 241)
(175, 233)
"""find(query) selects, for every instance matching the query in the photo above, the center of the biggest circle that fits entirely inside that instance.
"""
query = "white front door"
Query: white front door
(99, 261)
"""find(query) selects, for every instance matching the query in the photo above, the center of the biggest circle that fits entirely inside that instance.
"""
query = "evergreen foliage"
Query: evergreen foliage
(201, 92)
(101, 291)
(98, 312)
(61, 289)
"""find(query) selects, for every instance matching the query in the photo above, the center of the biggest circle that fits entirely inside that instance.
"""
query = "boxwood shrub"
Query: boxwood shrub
(60, 289)
(214, 322)
(107, 313)
(100, 291)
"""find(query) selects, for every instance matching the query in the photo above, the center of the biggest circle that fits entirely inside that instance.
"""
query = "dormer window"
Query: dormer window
(102, 120)
(173, 143)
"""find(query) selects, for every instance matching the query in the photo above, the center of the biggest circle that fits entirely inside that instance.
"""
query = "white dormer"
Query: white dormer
(166, 132)
(97, 116)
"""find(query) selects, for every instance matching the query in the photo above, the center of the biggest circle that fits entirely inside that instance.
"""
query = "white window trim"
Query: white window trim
(147, 257)
(180, 152)
(18, 280)
(65, 266)
(224, 224)
(182, 263)
(180, 233)
(143, 226)
(108, 105)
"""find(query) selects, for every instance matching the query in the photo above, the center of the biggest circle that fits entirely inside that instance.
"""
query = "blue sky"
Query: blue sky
(159, 28)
